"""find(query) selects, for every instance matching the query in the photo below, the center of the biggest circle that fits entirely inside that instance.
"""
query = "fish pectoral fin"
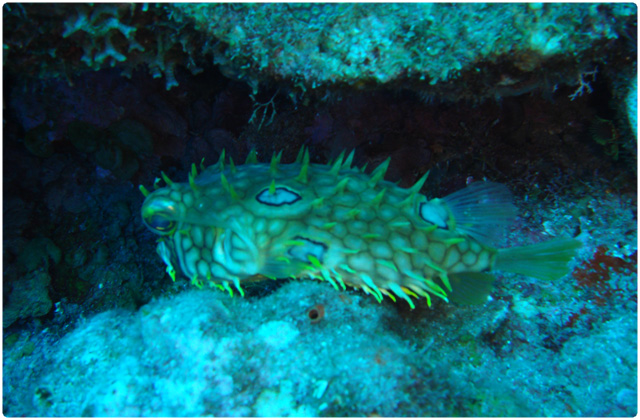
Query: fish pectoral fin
(481, 210)
(470, 288)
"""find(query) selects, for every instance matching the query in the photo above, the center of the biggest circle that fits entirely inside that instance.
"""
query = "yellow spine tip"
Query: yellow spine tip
(337, 165)
(192, 182)
(347, 163)
(303, 175)
(143, 190)
(409, 199)
(166, 179)
(353, 213)
(232, 165)
(342, 185)
(221, 160)
(228, 187)
(252, 157)
(379, 172)
(236, 283)
(300, 154)
(226, 286)
(418, 185)
(378, 198)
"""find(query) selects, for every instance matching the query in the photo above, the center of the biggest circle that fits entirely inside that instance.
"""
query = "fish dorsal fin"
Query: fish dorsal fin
(470, 288)
(481, 210)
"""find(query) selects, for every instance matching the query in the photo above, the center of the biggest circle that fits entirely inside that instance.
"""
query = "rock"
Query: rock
(29, 298)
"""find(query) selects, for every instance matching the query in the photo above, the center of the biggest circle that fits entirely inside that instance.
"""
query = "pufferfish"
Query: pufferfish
(338, 224)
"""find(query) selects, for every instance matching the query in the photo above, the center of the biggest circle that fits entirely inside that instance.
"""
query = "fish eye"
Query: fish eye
(160, 213)
(161, 223)
(280, 196)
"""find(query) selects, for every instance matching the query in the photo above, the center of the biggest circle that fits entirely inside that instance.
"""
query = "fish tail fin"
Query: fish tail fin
(545, 261)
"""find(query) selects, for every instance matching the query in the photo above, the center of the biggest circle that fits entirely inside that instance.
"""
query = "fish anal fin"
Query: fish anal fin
(470, 288)
(280, 269)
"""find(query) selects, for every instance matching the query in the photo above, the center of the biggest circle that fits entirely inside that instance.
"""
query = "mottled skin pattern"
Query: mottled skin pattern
(333, 223)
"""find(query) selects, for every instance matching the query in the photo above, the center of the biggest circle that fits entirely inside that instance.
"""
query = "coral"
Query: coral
(65, 39)
(100, 24)
(416, 45)
(104, 24)
(584, 85)
(472, 51)
(281, 402)
(201, 353)
(595, 276)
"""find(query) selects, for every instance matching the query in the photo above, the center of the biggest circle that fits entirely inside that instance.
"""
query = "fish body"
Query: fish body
(337, 223)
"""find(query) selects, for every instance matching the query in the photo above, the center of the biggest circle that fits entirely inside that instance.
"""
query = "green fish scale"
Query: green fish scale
(224, 235)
